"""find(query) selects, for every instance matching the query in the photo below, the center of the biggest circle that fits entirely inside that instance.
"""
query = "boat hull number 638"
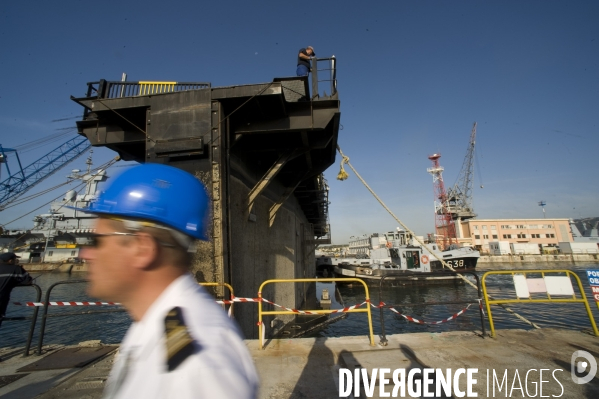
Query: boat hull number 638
(456, 263)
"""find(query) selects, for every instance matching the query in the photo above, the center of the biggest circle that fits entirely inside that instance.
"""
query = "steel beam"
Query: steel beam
(272, 212)
(270, 175)
(219, 195)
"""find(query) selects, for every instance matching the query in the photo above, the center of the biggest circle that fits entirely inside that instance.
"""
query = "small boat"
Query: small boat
(395, 254)
(459, 258)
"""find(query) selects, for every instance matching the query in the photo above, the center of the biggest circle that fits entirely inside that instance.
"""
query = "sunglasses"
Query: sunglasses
(93, 239)
(94, 242)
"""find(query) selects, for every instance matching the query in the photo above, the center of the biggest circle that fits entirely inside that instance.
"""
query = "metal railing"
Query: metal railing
(118, 89)
(231, 294)
(317, 311)
(33, 318)
(47, 304)
(326, 74)
(549, 299)
(408, 276)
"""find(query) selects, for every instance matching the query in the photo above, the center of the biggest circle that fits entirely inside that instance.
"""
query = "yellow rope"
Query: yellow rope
(345, 159)
(342, 173)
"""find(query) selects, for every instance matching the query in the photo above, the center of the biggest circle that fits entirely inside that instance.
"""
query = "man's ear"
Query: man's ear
(145, 252)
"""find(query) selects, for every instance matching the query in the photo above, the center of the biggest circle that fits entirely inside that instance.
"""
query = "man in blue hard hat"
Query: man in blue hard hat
(181, 344)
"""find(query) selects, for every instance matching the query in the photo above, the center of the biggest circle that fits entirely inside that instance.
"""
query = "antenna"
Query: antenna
(542, 204)
(123, 79)
(89, 162)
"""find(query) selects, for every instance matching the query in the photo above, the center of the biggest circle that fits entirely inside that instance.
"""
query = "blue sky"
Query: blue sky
(412, 76)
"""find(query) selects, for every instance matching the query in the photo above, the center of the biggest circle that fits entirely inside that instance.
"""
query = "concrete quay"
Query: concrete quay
(309, 367)
(55, 267)
(66, 382)
(543, 259)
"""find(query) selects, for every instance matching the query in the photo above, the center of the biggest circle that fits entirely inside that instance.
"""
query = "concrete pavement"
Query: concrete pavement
(309, 367)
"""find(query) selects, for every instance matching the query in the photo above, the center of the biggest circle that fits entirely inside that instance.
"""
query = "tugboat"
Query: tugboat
(395, 254)
(460, 258)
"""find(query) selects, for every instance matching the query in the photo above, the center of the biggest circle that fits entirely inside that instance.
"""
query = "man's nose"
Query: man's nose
(85, 253)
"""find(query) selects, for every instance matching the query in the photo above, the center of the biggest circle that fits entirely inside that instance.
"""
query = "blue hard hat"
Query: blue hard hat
(158, 193)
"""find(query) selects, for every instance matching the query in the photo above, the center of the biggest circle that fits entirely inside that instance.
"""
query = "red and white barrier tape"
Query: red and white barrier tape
(67, 303)
(288, 309)
(414, 320)
(350, 307)
(236, 299)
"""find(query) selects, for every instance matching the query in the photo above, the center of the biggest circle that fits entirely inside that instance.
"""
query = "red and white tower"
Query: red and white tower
(444, 226)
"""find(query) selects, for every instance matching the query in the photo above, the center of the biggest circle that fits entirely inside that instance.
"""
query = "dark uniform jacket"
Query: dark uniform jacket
(301, 61)
(10, 277)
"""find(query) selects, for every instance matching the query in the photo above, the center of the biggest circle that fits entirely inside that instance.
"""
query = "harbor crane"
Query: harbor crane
(22, 180)
(444, 225)
(459, 197)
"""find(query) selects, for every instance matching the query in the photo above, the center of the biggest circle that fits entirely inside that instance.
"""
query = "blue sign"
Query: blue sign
(593, 276)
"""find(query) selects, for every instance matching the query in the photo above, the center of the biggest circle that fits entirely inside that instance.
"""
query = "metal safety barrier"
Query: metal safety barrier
(33, 318)
(146, 88)
(47, 303)
(353, 309)
(231, 294)
(329, 75)
(119, 89)
(549, 285)
(411, 275)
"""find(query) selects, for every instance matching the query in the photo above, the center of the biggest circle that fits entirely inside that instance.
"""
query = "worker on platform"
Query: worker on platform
(303, 61)
(181, 343)
(11, 275)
